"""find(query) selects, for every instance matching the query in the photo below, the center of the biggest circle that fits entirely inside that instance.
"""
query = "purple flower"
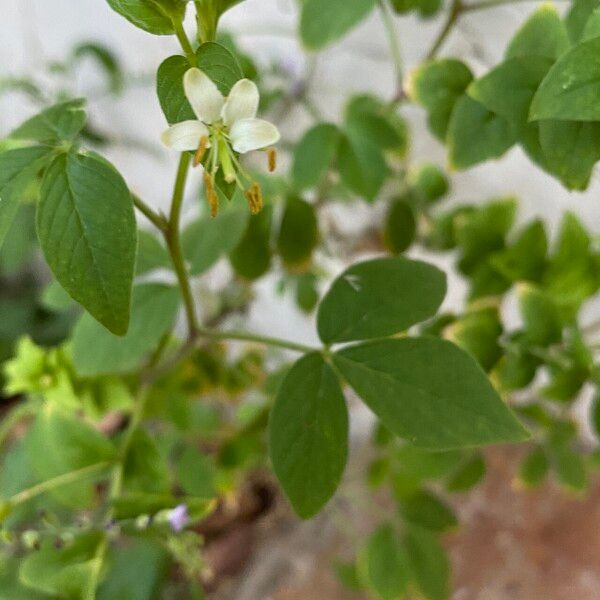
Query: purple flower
(179, 518)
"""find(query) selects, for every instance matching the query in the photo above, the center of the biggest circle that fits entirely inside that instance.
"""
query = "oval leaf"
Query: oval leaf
(87, 232)
(308, 433)
(430, 392)
(378, 298)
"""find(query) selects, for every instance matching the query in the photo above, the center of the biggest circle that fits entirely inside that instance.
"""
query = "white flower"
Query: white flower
(224, 127)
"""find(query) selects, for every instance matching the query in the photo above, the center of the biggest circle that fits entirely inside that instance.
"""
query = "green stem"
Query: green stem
(56, 482)
(392, 35)
(173, 239)
(156, 219)
(243, 336)
(185, 42)
(456, 10)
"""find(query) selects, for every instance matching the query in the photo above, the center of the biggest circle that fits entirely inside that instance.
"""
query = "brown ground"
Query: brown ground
(512, 545)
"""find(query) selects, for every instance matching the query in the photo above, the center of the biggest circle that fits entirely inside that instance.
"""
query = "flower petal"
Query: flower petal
(242, 102)
(184, 136)
(203, 95)
(252, 134)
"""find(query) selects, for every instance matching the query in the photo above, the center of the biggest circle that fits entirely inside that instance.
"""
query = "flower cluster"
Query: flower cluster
(224, 129)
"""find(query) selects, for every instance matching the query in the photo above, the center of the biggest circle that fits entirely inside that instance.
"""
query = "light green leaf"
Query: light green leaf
(196, 474)
(430, 182)
(308, 433)
(153, 16)
(429, 563)
(17, 169)
(87, 230)
(61, 122)
(430, 392)
(206, 240)
(314, 155)
(570, 89)
(592, 27)
(543, 34)
(378, 298)
(97, 351)
(437, 85)
(298, 234)
(64, 572)
(475, 134)
(542, 320)
(383, 565)
(325, 21)
(577, 17)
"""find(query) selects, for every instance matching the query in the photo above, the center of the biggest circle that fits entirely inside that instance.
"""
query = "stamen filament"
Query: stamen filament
(201, 151)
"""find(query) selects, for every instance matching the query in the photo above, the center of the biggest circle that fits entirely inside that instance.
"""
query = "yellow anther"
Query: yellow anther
(272, 155)
(202, 146)
(211, 195)
(255, 198)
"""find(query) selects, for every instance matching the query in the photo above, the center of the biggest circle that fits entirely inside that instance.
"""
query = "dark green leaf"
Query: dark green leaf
(468, 475)
(378, 298)
(577, 17)
(87, 230)
(298, 233)
(314, 155)
(426, 510)
(153, 16)
(533, 468)
(251, 258)
(430, 392)
(151, 254)
(220, 65)
(400, 226)
(308, 434)
(542, 320)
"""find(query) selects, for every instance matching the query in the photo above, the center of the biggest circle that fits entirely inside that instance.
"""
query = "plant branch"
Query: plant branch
(155, 218)
(392, 34)
(173, 240)
(59, 481)
(185, 42)
(456, 10)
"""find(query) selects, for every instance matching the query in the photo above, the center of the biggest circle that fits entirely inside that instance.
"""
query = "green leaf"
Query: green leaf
(378, 298)
(17, 169)
(361, 164)
(151, 254)
(96, 351)
(570, 468)
(153, 16)
(145, 470)
(429, 563)
(383, 565)
(543, 34)
(298, 234)
(570, 149)
(430, 392)
(206, 240)
(592, 26)
(308, 433)
(570, 89)
(64, 572)
(87, 230)
(10, 586)
(135, 571)
(196, 474)
(426, 510)
(61, 122)
(577, 17)
(534, 468)
(251, 258)
(437, 86)
(325, 21)
(400, 226)
(475, 134)
(430, 182)
(106, 59)
(314, 155)
(214, 59)
(542, 320)
(59, 443)
(426, 8)
(468, 475)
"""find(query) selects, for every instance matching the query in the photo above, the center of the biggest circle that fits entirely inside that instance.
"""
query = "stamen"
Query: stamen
(202, 146)
(255, 198)
(211, 195)
(272, 155)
